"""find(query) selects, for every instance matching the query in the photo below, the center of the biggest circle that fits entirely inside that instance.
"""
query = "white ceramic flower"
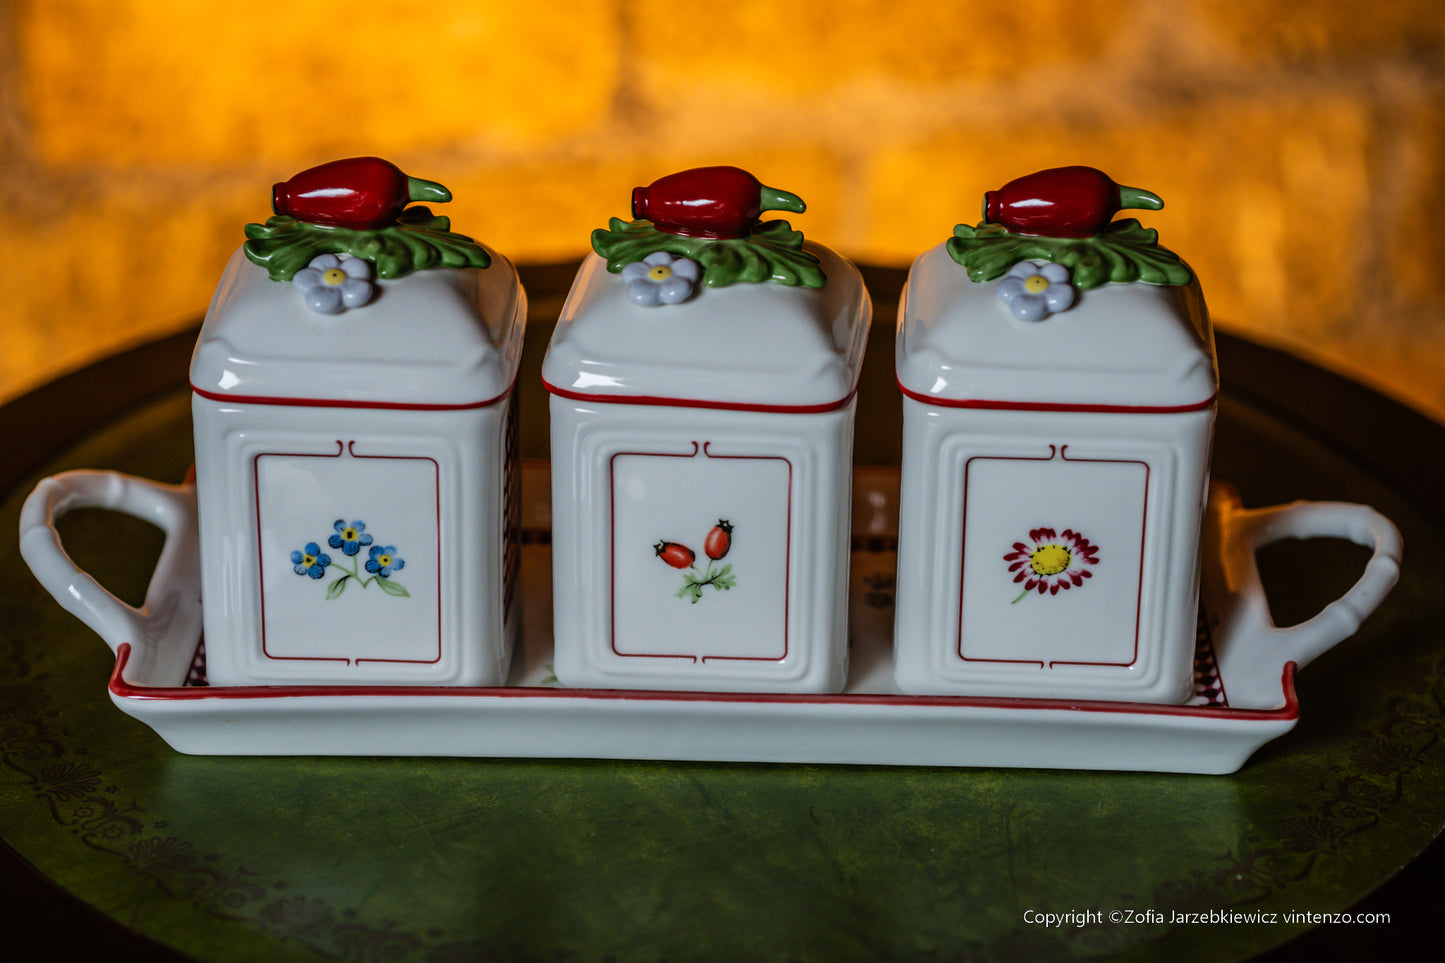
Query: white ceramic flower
(660, 278)
(1033, 290)
(331, 284)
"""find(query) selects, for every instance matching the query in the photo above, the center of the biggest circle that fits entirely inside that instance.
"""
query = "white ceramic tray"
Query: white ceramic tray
(1244, 694)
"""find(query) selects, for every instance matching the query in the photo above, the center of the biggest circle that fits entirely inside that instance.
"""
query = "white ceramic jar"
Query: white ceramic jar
(356, 476)
(701, 478)
(1055, 464)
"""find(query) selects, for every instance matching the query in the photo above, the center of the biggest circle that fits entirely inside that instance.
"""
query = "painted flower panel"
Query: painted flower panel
(346, 568)
(1051, 561)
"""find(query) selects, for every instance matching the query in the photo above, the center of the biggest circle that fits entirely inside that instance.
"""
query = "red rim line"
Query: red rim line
(125, 690)
(349, 403)
(991, 405)
(701, 403)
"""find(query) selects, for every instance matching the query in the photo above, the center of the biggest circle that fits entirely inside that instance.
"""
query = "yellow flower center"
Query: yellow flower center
(1036, 284)
(348, 534)
(308, 560)
(660, 273)
(334, 276)
(383, 560)
(1050, 559)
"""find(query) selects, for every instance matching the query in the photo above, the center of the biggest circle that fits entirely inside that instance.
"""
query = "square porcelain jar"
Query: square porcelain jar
(1060, 385)
(702, 437)
(355, 432)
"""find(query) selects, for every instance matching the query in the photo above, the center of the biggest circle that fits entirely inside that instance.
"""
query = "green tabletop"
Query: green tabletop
(468, 859)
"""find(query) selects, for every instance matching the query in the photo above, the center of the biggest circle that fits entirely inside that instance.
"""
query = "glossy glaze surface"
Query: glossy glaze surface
(359, 193)
(278, 480)
(354, 474)
(737, 346)
(1226, 718)
(736, 404)
(769, 616)
(1063, 202)
(720, 202)
(1119, 346)
(1054, 476)
(261, 342)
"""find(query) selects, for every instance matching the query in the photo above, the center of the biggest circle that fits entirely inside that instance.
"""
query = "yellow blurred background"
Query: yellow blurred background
(1299, 145)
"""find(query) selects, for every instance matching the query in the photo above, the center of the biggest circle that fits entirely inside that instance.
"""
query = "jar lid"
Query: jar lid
(1118, 347)
(435, 338)
(744, 346)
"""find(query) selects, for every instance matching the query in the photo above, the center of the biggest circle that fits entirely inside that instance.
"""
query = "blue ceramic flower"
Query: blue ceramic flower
(331, 284)
(310, 561)
(660, 278)
(1033, 290)
(384, 561)
(349, 538)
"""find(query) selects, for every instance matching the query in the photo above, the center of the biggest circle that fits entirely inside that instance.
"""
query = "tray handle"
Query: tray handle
(172, 605)
(1252, 669)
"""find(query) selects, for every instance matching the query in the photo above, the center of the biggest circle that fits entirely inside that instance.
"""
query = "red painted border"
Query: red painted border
(121, 689)
(1143, 540)
(344, 448)
(612, 551)
(344, 403)
(260, 561)
(963, 550)
(986, 404)
(441, 580)
(698, 403)
(697, 449)
(1059, 452)
(787, 563)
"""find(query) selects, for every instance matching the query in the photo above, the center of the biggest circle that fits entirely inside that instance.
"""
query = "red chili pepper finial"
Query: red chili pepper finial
(713, 202)
(361, 193)
(1063, 202)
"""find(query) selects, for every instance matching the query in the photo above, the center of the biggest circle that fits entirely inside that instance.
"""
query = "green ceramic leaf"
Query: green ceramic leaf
(418, 240)
(391, 588)
(772, 252)
(1125, 252)
(336, 587)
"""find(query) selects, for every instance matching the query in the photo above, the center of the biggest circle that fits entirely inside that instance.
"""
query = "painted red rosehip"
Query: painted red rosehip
(674, 554)
(1063, 202)
(719, 540)
(362, 193)
(715, 202)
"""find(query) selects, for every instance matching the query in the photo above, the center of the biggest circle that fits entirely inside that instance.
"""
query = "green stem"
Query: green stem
(1020, 597)
(776, 200)
(356, 572)
(420, 190)
(710, 575)
(1133, 198)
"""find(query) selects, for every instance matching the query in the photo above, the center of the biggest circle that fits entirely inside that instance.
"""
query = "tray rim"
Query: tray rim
(122, 690)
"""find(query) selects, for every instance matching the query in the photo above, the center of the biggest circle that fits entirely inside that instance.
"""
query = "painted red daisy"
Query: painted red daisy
(1051, 561)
